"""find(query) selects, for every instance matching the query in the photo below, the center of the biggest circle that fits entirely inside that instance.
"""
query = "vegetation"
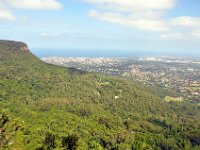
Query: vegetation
(48, 107)
(176, 99)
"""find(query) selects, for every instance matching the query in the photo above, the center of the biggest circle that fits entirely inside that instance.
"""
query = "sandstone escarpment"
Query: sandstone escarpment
(14, 46)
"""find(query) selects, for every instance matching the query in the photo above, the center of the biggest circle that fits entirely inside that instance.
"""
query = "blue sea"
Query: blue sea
(109, 53)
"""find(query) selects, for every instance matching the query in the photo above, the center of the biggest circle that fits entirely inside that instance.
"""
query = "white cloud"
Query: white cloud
(133, 5)
(196, 33)
(172, 36)
(131, 20)
(146, 15)
(6, 15)
(140, 14)
(34, 4)
(47, 34)
(7, 5)
(185, 21)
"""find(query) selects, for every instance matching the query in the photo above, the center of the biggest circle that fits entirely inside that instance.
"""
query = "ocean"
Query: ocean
(109, 53)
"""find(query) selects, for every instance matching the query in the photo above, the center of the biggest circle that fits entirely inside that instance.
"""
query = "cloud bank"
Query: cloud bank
(34, 4)
(134, 5)
(6, 7)
(150, 15)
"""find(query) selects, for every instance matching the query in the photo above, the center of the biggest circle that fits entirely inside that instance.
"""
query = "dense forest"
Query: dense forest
(44, 107)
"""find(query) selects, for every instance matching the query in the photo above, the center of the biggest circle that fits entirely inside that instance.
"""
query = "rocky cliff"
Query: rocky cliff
(13, 46)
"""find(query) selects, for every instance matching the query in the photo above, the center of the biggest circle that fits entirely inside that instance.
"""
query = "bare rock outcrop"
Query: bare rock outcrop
(13, 45)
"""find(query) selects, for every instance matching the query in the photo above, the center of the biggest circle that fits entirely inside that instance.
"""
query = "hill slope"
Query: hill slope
(45, 107)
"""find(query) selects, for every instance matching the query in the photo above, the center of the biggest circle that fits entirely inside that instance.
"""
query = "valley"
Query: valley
(181, 75)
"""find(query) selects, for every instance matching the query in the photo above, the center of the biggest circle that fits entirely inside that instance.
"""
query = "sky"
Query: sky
(98, 27)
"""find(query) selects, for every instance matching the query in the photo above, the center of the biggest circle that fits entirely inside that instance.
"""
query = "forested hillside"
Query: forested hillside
(43, 106)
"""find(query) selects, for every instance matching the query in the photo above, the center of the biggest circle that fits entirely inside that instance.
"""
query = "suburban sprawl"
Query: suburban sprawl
(181, 75)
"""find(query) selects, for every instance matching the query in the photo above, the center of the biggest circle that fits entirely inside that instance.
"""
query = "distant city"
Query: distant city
(179, 74)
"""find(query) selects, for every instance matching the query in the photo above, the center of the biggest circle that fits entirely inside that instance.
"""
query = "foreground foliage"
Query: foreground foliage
(44, 106)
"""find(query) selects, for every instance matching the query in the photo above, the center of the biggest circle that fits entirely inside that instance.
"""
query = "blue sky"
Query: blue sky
(95, 26)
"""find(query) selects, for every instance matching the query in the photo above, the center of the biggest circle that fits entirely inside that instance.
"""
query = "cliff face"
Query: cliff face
(14, 46)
